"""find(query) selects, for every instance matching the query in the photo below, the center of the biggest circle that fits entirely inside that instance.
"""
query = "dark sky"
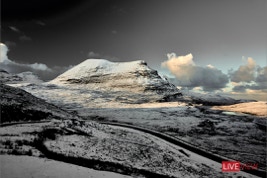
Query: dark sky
(230, 36)
(60, 32)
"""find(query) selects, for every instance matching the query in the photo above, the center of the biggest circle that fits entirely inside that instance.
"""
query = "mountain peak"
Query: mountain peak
(101, 74)
(102, 67)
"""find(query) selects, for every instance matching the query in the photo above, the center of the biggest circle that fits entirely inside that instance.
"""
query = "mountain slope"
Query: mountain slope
(19, 105)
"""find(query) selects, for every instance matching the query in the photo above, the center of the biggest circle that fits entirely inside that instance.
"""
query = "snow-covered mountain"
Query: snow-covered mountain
(99, 83)
(29, 77)
(102, 74)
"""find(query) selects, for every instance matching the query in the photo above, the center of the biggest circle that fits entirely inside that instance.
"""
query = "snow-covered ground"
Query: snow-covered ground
(26, 166)
(104, 91)
(233, 136)
(18, 105)
(132, 149)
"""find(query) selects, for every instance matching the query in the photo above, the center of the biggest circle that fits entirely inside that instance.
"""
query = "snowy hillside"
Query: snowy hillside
(18, 105)
(29, 77)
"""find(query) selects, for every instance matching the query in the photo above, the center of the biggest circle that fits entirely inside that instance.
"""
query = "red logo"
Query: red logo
(230, 166)
(236, 166)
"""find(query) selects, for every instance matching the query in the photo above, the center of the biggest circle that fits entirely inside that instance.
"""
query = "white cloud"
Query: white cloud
(3, 52)
(39, 66)
(210, 66)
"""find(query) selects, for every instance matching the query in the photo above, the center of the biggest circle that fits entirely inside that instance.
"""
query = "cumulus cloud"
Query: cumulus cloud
(41, 70)
(188, 74)
(250, 78)
(245, 73)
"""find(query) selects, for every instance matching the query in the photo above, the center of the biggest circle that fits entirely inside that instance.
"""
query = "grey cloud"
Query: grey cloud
(245, 73)
(244, 87)
(262, 75)
(208, 78)
(188, 74)
(254, 78)
(240, 88)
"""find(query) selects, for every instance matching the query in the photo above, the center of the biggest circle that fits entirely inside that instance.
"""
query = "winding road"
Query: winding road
(197, 154)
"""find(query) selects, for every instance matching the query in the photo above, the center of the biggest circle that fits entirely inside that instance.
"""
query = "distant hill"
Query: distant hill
(23, 77)
(6, 77)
